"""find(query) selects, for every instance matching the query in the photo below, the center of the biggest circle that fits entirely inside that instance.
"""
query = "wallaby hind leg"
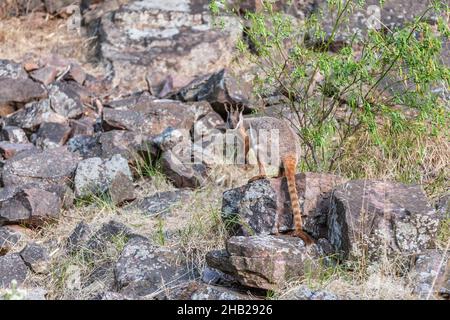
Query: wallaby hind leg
(262, 172)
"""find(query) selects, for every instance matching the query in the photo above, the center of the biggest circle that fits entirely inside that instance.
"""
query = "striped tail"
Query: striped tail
(289, 164)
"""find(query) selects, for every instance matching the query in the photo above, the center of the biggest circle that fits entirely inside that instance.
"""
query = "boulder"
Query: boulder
(51, 166)
(183, 174)
(150, 29)
(264, 261)
(372, 217)
(431, 274)
(52, 135)
(20, 90)
(9, 150)
(36, 257)
(65, 100)
(255, 207)
(13, 135)
(219, 88)
(159, 203)
(28, 205)
(8, 239)
(33, 114)
(78, 238)
(143, 269)
(12, 70)
(12, 268)
(97, 176)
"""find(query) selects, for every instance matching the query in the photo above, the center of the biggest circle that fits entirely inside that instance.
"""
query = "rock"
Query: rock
(13, 134)
(143, 269)
(8, 239)
(109, 295)
(36, 257)
(53, 6)
(64, 100)
(105, 234)
(160, 202)
(368, 217)
(181, 173)
(216, 277)
(52, 135)
(23, 294)
(254, 208)
(305, 293)
(51, 166)
(125, 143)
(391, 15)
(96, 176)
(82, 127)
(202, 48)
(78, 238)
(9, 150)
(431, 274)
(33, 114)
(266, 262)
(45, 75)
(12, 70)
(121, 189)
(12, 268)
(125, 120)
(199, 291)
(30, 206)
(218, 88)
(20, 90)
(85, 146)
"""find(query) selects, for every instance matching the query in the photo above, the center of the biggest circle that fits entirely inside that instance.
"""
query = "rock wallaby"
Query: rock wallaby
(257, 134)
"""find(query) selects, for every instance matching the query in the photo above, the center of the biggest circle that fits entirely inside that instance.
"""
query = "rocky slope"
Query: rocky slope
(100, 198)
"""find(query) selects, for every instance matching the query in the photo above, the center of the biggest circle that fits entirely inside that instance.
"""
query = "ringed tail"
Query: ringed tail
(289, 164)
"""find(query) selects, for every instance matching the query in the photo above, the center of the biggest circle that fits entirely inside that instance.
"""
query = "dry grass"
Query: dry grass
(39, 35)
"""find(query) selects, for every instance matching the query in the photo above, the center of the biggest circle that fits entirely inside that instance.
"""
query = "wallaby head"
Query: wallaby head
(234, 116)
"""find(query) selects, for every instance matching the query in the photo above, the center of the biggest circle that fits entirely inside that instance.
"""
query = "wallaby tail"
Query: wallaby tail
(289, 164)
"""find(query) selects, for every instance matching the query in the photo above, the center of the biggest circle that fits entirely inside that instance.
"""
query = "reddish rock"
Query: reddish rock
(52, 135)
(45, 75)
(20, 90)
(9, 150)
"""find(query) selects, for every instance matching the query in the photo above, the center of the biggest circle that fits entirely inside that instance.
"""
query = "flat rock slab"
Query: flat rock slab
(28, 205)
(12, 268)
(20, 90)
(139, 38)
(368, 217)
(265, 261)
(255, 207)
(144, 269)
(51, 166)
(159, 203)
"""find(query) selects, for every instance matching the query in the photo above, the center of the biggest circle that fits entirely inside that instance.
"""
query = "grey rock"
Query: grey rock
(105, 234)
(305, 293)
(82, 127)
(431, 274)
(195, 290)
(266, 262)
(8, 239)
(183, 173)
(78, 238)
(52, 135)
(369, 216)
(28, 205)
(96, 176)
(64, 100)
(9, 150)
(13, 134)
(12, 70)
(159, 203)
(12, 268)
(36, 257)
(45, 75)
(51, 166)
(33, 114)
(143, 269)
